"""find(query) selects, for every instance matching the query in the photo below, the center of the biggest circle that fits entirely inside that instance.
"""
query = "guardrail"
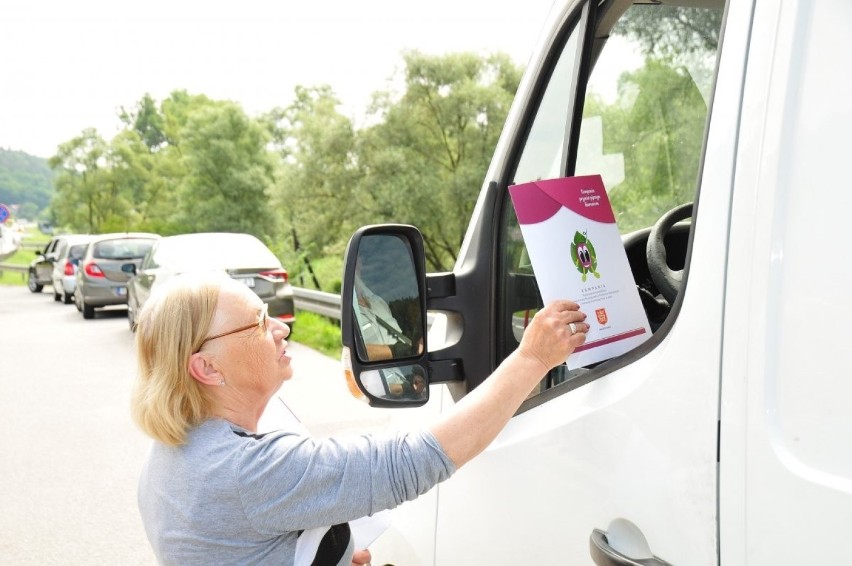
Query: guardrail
(319, 302)
(13, 268)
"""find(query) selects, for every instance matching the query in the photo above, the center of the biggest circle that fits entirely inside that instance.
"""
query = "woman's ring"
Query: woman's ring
(573, 327)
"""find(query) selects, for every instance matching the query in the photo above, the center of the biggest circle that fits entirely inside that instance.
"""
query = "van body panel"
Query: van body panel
(786, 475)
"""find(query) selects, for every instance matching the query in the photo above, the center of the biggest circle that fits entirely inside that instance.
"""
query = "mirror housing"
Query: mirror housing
(383, 316)
(129, 268)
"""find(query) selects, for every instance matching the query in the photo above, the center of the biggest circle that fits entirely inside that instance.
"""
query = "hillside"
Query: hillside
(25, 180)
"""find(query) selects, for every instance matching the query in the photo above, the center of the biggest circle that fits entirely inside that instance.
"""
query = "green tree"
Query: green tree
(87, 197)
(229, 172)
(147, 121)
(133, 169)
(424, 161)
(155, 158)
(313, 198)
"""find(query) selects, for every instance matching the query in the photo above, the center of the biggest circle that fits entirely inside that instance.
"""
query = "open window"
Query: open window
(627, 97)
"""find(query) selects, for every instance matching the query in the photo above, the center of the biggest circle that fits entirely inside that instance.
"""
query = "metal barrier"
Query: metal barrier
(319, 302)
(13, 268)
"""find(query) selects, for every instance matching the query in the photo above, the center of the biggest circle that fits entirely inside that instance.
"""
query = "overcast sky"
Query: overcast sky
(69, 65)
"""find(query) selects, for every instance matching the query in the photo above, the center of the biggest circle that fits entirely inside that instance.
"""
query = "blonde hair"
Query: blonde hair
(167, 401)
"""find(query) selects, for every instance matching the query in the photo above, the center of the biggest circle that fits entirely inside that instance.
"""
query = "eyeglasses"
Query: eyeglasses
(261, 324)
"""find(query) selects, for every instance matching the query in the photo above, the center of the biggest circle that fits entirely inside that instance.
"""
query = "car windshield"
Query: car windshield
(232, 251)
(124, 248)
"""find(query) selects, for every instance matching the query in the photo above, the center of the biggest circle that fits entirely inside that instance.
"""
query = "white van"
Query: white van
(723, 438)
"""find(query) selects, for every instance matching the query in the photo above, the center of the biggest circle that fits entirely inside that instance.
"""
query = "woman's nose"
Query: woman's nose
(280, 327)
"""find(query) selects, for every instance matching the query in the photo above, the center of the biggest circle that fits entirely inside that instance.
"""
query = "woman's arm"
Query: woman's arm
(475, 421)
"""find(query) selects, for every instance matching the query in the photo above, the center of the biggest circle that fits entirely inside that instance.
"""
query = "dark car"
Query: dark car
(100, 279)
(242, 256)
(40, 272)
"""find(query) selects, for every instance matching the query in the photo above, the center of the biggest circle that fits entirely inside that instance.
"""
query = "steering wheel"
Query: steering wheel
(667, 280)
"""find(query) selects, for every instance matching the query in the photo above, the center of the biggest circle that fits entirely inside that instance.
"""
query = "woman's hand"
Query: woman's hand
(554, 332)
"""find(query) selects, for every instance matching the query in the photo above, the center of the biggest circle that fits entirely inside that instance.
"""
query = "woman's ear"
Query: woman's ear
(202, 369)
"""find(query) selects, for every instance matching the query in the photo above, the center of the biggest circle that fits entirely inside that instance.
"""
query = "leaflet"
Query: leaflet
(576, 253)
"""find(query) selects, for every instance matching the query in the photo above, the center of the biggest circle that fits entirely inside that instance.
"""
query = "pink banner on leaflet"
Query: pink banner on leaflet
(538, 201)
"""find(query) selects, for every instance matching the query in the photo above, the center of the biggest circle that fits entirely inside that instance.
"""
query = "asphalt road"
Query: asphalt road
(69, 453)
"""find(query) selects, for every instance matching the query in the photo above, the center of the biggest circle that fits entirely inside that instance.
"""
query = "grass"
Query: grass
(11, 278)
(318, 332)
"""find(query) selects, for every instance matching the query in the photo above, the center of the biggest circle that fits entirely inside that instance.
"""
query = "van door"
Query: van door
(622, 455)
(785, 464)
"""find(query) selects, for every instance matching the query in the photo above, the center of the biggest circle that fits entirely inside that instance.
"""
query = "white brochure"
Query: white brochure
(576, 252)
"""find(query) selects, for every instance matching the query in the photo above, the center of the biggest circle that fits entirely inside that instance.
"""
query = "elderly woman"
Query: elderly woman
(213, 491)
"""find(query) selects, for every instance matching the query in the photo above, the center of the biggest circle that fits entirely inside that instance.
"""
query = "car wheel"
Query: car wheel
(67, 299)
(57, 296)
(33, 284)
(88, 311)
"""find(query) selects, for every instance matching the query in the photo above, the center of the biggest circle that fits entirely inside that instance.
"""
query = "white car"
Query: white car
(69, 252)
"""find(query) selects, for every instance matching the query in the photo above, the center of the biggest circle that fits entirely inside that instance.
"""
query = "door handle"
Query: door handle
(605, 555)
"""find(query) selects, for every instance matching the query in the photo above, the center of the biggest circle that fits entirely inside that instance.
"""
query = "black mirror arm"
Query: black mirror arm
(439, 286)
(446, 364)
(445, 370)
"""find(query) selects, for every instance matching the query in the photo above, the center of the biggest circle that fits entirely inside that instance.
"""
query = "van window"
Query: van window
(644, 110)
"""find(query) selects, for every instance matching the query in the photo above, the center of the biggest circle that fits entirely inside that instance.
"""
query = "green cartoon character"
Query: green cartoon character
(584, 257)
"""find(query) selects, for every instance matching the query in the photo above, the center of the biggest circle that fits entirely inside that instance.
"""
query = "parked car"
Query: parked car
(40, 272)
(64, 275)
(242, 256)
(100, 279)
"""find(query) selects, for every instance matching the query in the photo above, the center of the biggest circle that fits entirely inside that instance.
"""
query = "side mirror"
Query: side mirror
(129, 268)
(383, 318)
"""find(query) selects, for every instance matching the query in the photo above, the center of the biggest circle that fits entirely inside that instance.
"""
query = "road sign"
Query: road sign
(5, 213)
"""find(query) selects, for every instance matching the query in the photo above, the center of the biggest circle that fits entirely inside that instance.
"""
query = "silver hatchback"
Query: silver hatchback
(100, 280)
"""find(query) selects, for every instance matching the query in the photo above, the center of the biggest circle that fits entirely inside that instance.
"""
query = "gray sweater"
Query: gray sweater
(230, 497)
